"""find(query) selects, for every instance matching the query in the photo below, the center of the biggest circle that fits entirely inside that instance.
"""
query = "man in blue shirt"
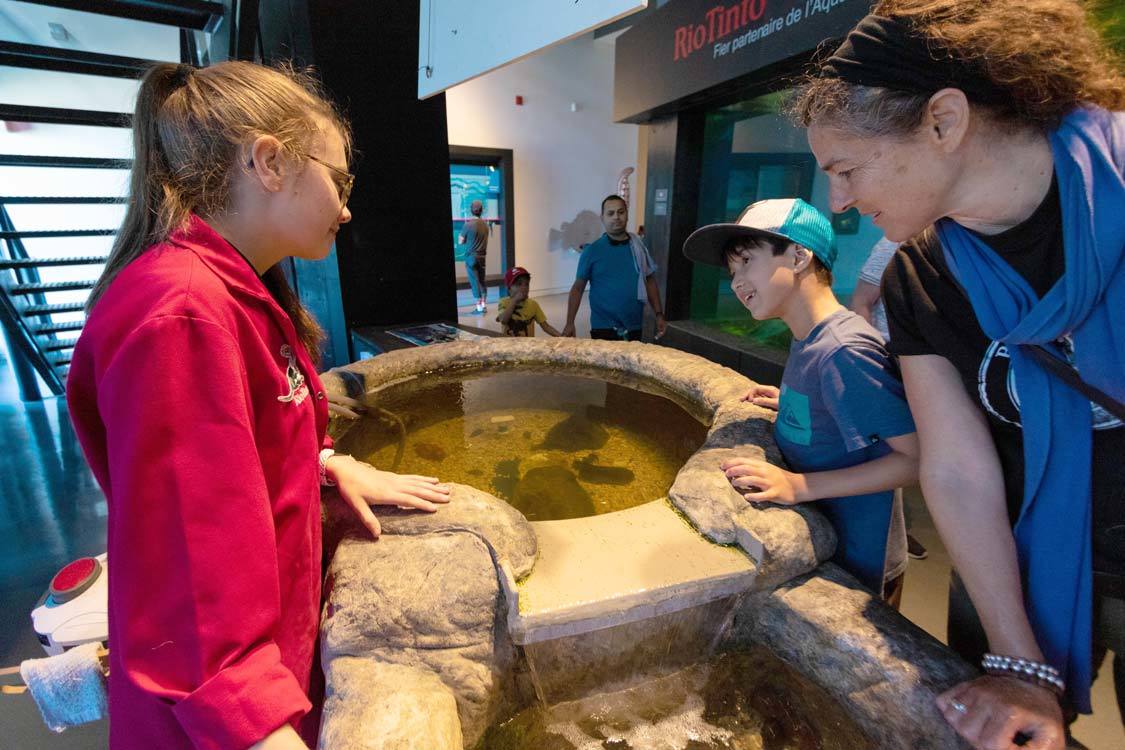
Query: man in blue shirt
(621, 274)
(842, 424)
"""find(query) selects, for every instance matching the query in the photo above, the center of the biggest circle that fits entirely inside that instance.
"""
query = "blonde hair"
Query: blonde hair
(188, 127)
(1044, 54)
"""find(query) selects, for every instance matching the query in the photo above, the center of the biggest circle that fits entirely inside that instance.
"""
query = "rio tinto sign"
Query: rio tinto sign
(718, 23)
(687, 46)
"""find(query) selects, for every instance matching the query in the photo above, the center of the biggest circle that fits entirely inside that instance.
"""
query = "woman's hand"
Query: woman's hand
(362, 485)
(991, 711)
(763, 395)
(760, 482)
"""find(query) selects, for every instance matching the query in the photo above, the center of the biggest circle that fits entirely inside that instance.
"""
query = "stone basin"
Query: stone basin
(479, 604)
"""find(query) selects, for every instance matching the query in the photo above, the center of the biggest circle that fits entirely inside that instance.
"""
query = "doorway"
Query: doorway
(483, 174)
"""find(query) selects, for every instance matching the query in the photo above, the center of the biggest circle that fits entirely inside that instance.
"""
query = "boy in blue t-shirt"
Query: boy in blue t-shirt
(842, 424)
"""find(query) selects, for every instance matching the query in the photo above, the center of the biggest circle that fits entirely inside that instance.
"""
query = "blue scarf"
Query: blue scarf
(1088, 302)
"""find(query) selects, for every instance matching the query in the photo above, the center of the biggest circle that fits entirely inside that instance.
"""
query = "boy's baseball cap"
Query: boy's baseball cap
(514, 273)
(786, 219)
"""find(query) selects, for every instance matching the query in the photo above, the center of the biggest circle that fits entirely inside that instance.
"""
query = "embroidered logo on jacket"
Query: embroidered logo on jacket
(298, 389)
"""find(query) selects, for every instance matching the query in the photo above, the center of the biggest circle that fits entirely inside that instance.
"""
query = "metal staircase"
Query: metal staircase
(41, 312)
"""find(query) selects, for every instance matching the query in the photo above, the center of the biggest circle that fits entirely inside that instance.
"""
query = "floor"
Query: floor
(51, 512)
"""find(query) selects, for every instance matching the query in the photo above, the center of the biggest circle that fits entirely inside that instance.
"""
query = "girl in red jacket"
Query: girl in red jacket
(194, 392)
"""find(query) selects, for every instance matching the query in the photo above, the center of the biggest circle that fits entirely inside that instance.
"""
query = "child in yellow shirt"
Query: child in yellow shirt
(518, 313)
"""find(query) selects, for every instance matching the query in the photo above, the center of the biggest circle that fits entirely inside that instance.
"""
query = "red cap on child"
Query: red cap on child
(514, 273)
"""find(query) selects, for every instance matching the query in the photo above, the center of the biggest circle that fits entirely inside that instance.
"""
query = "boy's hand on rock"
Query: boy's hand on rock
(761, 482)
(766, 396)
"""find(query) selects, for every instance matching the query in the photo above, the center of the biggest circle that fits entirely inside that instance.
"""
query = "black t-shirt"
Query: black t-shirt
(929, 313)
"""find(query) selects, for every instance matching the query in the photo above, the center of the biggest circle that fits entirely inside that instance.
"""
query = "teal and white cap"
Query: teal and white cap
(785, 219)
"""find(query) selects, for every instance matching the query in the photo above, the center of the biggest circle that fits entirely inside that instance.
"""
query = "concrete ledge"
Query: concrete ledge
(608, 570)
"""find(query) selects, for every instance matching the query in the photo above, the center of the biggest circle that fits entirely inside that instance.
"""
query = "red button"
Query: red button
(74, 578)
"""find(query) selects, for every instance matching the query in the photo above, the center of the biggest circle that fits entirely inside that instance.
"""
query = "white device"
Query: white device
(75, 608)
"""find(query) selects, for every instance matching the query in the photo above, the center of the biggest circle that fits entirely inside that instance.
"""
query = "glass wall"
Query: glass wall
(751, 152)
(467, 183)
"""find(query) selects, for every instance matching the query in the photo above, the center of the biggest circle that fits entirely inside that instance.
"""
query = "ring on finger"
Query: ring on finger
(959, 707)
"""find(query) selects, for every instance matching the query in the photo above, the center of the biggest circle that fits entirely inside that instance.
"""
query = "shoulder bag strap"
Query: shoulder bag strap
(1068, 375)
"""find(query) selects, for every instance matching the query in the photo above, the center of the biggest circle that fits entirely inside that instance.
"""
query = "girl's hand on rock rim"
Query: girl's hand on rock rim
(361, 485)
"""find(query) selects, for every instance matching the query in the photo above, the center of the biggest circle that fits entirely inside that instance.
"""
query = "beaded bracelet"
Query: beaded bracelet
(1034, 672)
(322, 464)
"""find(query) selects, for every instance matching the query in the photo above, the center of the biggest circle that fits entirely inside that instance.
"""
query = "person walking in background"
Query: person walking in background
(475, 235)
(622, 277)
(867, 300)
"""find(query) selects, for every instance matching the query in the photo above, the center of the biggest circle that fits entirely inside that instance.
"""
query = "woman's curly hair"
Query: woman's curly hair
(1044, 54)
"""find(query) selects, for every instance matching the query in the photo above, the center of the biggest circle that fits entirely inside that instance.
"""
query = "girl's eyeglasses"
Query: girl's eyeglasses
(343, 184)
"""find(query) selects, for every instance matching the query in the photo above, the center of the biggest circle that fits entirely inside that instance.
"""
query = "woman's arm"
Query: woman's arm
(760, 481)
(964, 488)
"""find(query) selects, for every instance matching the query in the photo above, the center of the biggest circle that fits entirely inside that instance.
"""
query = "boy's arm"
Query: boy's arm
(760, 481)
(867, 404)
(541, 319)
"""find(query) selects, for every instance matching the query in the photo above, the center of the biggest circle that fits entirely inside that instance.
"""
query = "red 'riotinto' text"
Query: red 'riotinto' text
(719, 22)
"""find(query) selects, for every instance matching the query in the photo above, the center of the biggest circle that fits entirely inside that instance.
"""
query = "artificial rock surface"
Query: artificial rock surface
(884, 670)
(372, 705)
(428, 603)
(783, 542)
(501, 527)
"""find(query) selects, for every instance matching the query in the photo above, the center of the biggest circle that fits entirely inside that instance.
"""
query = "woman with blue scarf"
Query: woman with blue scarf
(989, 137)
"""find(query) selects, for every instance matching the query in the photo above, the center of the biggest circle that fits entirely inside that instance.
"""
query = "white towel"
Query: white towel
(643, 262)
(70, 688)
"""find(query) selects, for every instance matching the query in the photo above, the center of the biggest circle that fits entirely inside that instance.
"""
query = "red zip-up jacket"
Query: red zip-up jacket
(202, 417)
